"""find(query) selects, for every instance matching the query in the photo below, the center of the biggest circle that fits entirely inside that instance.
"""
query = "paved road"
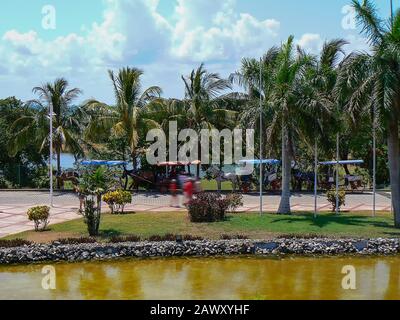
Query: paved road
(14, 204)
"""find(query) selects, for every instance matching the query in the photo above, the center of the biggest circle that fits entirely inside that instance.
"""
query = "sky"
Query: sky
(41, 40)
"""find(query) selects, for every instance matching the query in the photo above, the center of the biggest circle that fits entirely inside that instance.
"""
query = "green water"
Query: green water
(207, 278)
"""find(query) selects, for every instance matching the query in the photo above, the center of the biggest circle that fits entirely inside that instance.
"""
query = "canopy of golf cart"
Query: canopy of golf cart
(343, 162)
(258, 161)
(178, 163)
(103, 163)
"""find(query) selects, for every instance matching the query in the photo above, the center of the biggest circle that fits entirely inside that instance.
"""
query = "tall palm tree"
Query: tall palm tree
(205, 101)
(288, 75)
(282, 75)
(320, 112)
(35, 127)
(372, 82)
(248, 77)
(127, 118)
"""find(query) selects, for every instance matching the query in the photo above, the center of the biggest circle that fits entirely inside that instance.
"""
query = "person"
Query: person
(174, 195)
(188, 190)
(182, 178)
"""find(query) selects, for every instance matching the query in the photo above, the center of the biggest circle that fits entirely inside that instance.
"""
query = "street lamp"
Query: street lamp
(391, 11)
(261, 147)
(50, 116)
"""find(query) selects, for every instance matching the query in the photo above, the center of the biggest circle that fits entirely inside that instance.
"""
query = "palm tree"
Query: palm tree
(282, 73)
(319, 112)
(165, 110)
(288, 76)
(35, 127)
(248, 77)
(205, 101)
(371, 81)
(127, 119)
(281, 90)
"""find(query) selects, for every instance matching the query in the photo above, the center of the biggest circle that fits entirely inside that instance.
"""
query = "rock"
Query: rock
(98, 251)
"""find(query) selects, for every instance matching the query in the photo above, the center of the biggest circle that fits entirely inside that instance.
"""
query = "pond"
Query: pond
(208, 278)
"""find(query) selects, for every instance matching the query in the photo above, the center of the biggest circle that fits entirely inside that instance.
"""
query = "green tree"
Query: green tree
(92, 185)
(33, 128)
(372, 80)
(288, 75)
(205, 102)
(127, 119)
(22, 168)
(282, 74)
(248, 77)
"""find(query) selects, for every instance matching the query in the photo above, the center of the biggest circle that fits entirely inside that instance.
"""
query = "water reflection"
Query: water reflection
(214, 278)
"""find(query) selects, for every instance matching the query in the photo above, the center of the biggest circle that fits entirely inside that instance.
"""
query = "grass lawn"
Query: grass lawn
(250, 224)
(211, 185)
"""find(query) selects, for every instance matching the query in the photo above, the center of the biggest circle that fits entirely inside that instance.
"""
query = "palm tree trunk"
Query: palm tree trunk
(394, 167)
(198, 158)
(58, 167)
(284, 206)
(134, 160)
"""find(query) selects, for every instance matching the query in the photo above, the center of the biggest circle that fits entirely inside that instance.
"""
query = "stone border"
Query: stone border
(97, 251)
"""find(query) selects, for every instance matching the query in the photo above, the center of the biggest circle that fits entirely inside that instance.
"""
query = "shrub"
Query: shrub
(5, 184)
(91, 217)
(331, 195)
(117, 200)
(212, 206)
(40, 178)
(92, 185)
(40, 216)
(202, 208)
(119, 239)
(235, 201)
(14, 243)
(75, 240)
(41, 182)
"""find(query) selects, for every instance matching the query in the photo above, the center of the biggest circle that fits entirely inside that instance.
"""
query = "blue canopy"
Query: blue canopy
(329, 163)
(103, 163)
(257, 161)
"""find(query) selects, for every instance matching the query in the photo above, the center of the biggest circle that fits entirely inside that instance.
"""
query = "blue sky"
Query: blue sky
(165, 38)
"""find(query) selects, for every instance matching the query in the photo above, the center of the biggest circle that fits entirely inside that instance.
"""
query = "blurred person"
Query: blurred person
(173, 189)
(188, 190)
(197, 186)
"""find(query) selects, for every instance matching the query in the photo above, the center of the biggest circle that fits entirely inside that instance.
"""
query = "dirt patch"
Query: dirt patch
(48, 236)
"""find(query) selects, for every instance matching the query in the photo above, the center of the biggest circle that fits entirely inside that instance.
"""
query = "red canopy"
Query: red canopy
(178, 163)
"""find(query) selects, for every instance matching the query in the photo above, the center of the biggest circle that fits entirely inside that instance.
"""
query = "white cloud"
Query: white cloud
(209, 30)
(132, 32)
(311, 42)
(357, 43)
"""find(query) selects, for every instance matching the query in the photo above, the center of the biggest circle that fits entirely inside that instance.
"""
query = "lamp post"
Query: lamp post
(315, 177)
(391, 21)
(337, 173)
(261, 147)
(391, 12)
(374, 160)
(51, 115)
